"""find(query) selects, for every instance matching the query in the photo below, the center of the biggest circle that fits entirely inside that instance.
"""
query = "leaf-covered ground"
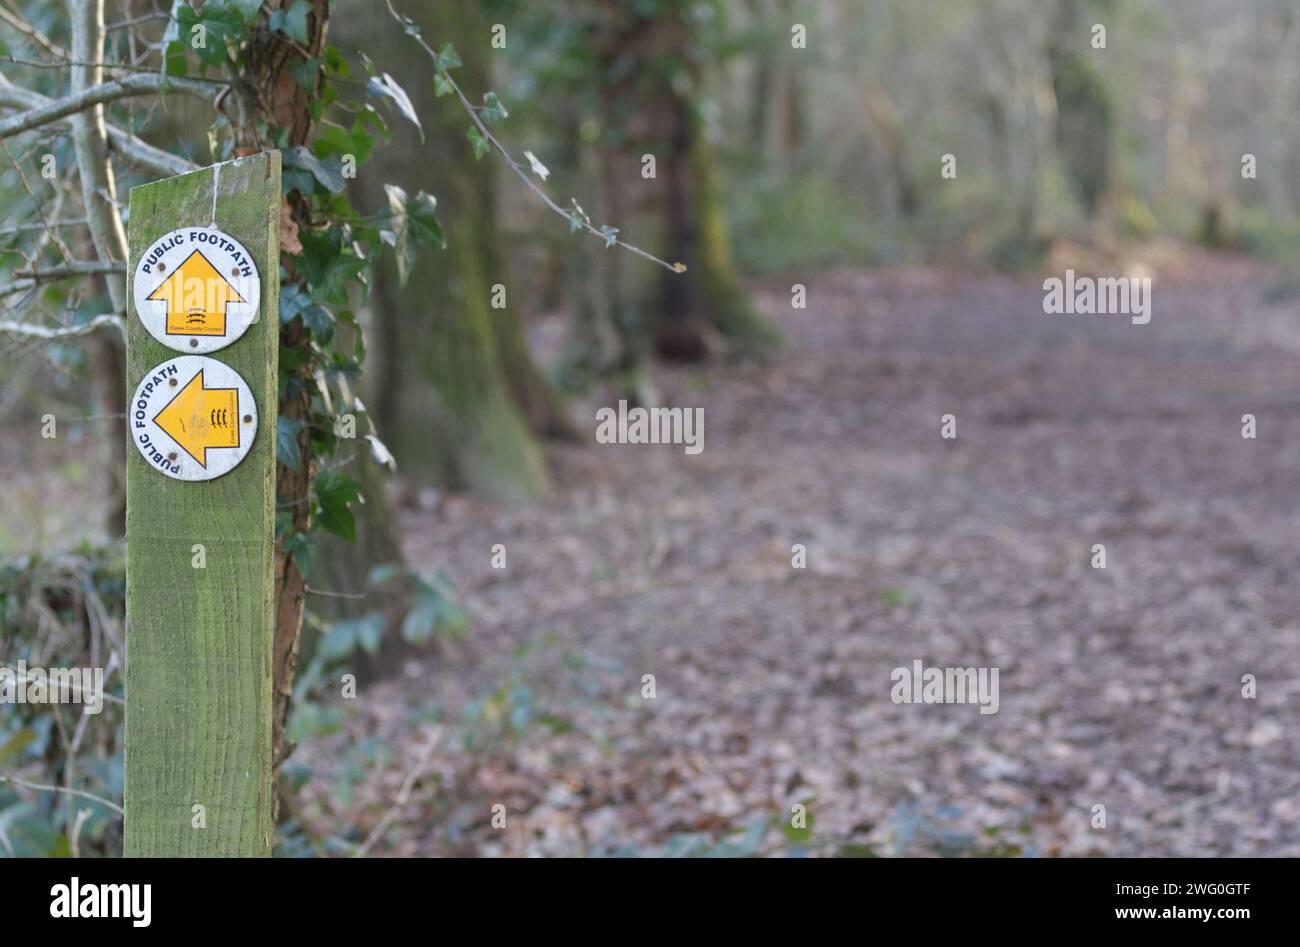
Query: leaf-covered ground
(1120, 687)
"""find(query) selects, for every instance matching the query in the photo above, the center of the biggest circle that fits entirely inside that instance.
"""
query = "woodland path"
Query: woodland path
(1119, 687)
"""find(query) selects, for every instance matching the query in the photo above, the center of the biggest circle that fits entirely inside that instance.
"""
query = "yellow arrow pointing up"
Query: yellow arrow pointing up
(196, 296)
(199, 418)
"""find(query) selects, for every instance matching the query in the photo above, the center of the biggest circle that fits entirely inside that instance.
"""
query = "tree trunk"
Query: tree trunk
(459, 399)
(283, 103)
(652, 61)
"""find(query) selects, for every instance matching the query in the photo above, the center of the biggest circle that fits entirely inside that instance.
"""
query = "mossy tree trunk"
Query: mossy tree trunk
(455, 391)
(649, 69)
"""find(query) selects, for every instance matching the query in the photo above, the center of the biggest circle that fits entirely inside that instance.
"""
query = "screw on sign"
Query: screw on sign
(193, 418)
(196, 289)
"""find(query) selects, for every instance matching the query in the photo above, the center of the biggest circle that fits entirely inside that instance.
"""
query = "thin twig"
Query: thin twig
(355, 595)
(518, 169)
(403, 795)
(31, 32)
(49, 333)
(40, 212)
(75, 792)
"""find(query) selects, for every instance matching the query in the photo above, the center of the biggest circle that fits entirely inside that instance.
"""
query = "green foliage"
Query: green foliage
(434, 610)
(781, 224)
(321, 348)
(1269, 235)
(335, 492)
(65, 611)
(479, 141)
(413, 225)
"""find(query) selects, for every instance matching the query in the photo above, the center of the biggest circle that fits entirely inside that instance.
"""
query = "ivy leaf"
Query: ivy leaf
(175, 59)
(575, 222)
(415, 225)
(346, 636)
(493, 109)
(305, 72)
(435, 609)
(610, 234)
(539, 169)
(418, 625)
(447, 57)
(335, 491)
(381, 575)
(441, 86)
(221, 28)
(386, 86)
(380, 454)
(292, 22)
(327, 171)
(479, 141)
(301, 547)
(295, 301)
(247, 8)
(340, 275)
(409, 26)
(286, 442)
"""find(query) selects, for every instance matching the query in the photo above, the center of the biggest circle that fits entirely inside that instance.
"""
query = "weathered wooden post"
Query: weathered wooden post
(200, 520)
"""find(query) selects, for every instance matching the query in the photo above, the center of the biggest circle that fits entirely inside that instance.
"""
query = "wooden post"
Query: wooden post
(198, 678)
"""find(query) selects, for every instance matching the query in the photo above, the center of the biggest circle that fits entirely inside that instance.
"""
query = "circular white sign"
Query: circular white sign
(196, 289)
(193, 418)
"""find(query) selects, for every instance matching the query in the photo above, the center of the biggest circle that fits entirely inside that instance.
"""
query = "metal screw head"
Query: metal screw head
(248, 419)
(172, 455)
(172, 382)
(194, 343)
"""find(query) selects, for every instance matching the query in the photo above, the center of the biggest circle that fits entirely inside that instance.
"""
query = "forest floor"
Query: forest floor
(1119, 687)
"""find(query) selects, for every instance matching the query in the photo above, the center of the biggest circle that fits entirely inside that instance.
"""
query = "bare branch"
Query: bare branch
(23, 228)
(100, 93)
(121, 141)
(53, 333)
(31, 32)
(145, 155)
(30, 277)
(90, 139)
(48, 274)
(127, 24)
(73, 792)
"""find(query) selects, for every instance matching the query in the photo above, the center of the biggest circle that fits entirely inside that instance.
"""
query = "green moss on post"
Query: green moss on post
(198, 682)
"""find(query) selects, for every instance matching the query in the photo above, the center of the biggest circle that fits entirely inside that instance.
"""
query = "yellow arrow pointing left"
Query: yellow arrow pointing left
(199, 418)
